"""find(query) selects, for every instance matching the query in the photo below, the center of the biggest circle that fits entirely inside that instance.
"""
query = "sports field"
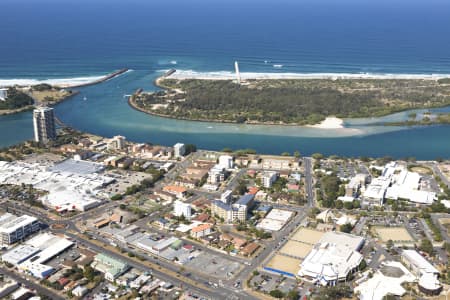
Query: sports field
(396, 234)
(296, 249)
(285, 264)
(307, 236)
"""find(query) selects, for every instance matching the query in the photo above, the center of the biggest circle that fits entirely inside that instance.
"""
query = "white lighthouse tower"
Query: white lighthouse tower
(238, 75)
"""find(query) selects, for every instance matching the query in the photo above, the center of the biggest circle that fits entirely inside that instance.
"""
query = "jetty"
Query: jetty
(170, 72)
(103, 79)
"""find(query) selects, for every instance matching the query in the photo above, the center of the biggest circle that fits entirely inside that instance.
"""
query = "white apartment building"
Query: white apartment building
(268, 178)
(44, 124)
(179, 149)
(182, 209)
(226, 161)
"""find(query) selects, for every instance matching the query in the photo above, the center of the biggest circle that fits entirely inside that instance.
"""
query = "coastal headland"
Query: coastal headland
(321, 101)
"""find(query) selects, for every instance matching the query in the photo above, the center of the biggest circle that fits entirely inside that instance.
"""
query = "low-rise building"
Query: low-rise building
(332, 258)
(275, 220)
(79, 291)
(178, 191)
(250, 249)
(19, 254)
(3, 94)
(109, 266)
(426, 273)
(376, 191)
(201, 230)
(278, 163)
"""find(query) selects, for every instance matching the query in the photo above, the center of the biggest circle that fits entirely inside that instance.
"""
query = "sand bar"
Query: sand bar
(228, 75)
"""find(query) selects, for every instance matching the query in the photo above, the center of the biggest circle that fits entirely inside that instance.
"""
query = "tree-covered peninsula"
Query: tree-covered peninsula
(290, 101)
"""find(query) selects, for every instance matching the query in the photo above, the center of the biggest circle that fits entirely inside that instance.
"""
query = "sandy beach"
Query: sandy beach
(61, 82)
(329, 123)
(227, 75)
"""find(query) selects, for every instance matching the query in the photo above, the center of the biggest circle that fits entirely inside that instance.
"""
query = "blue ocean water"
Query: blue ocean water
(73, 38)
(54, 38)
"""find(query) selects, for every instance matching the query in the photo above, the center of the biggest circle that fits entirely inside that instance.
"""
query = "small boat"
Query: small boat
(278, 66)
(84, 98)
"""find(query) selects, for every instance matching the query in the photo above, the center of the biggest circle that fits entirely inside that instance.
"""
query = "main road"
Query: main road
(41, 290)
(309, 185)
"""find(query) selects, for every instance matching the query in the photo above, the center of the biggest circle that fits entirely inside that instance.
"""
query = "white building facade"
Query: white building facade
(44, 124)
(182, 209)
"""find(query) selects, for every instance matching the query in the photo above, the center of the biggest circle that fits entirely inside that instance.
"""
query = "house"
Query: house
(239, 243)
(178, 191)
(293, 187)
(226, 237)
(203, 218)
(166, 196)
(162, 223)
(187, 183)
(250, 249)
(201, 230)
(79, 291)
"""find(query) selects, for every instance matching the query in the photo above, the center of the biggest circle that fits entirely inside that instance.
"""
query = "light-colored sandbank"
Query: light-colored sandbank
(62, 82)
(329, 123)
(226, 75)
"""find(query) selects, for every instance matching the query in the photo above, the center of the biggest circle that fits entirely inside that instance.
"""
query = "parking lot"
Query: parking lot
(70, 255)
(268, 282)
(344, 169)
(124, 179)
(214, 265)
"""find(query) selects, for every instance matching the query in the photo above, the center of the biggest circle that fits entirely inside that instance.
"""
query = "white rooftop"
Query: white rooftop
(19, 253)
(419, 262)
(333, 257)
(69, 182)
(10, 223)
(275, 220)
(51, 245)
(429, 281)
(280, 215)
(380, 285)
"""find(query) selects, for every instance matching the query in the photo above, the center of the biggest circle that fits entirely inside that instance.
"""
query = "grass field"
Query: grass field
(396, 234)
(445, 169)
(445, 222)
(421, 170)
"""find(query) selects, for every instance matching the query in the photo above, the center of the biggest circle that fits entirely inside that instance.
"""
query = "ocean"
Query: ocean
(78, 38)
